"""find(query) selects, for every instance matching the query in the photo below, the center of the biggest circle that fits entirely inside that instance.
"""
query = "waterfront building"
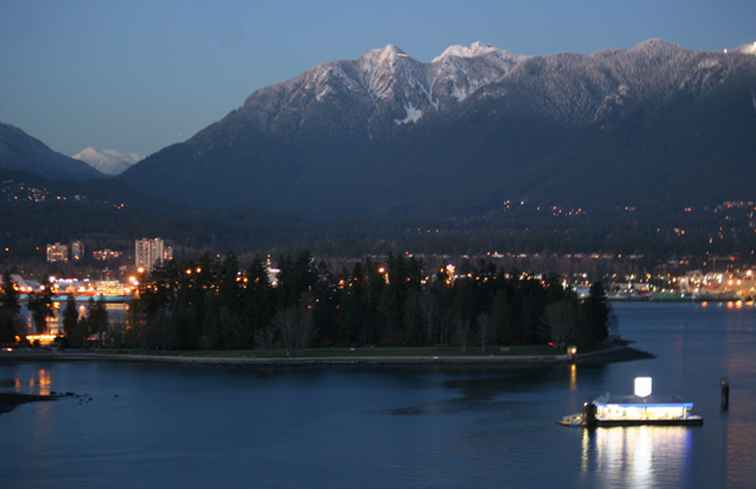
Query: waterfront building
(149, 253)
(57, 252)
(111, 288)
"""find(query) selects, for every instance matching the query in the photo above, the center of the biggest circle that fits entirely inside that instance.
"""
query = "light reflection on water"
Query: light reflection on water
(573, 377)
(625, 456)
(38, 383)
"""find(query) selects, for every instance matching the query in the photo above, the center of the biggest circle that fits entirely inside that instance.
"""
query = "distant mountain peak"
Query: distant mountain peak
(657, 45)
(749, 48)
(387, 54)
(107, 161)
(472, 51)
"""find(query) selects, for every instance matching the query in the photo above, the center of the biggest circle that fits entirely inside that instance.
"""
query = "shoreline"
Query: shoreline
(611, 354)
(10, 400)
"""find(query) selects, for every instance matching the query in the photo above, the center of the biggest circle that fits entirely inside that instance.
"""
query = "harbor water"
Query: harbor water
(150, 425)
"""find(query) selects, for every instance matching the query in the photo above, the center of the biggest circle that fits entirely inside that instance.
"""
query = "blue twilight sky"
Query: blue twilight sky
(139, 75)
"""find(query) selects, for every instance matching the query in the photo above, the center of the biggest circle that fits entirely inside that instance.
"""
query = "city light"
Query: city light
(43, 339)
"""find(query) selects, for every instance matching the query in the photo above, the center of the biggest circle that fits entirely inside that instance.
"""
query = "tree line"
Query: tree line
(79, 326)
(211, 303)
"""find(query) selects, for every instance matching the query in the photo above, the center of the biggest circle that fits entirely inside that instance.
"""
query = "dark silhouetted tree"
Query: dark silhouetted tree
(71, 322)
(9, 310)
(41, 308)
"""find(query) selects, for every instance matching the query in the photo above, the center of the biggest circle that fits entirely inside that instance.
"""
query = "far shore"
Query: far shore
(377, 357)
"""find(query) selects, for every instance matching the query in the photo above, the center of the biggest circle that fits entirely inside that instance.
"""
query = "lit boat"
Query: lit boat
(634, 410)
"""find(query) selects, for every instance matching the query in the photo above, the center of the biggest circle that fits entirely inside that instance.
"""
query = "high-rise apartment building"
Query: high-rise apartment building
(149, 253)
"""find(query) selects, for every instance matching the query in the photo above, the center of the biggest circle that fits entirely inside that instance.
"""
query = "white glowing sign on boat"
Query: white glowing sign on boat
(643, 386)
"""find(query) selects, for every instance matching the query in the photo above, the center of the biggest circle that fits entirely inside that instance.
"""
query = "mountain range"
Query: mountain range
(20, 152)
(473, 127)
(476, 126)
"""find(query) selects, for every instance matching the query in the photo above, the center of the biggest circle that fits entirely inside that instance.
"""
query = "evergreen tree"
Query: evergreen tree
(412, 319)
(9, 310)
(259, 303)
(485, 331)
(502, 317)
(295, 325)
(598, 313)
(41, 308)
(97, 319)
(463, 311)
(71, 322)
(561, 318)
(230, 285)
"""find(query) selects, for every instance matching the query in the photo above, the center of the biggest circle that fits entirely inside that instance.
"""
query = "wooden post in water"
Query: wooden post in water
(725, 392)
(589, 414)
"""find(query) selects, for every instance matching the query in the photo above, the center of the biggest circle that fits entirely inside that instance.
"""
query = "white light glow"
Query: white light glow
(643, 386)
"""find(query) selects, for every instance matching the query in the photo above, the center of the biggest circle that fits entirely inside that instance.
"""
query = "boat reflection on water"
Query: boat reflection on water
(625, 456)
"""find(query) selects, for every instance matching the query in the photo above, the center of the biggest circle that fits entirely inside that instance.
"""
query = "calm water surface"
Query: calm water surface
(166, 426)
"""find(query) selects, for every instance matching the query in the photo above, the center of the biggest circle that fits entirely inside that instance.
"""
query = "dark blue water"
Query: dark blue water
(214, 427)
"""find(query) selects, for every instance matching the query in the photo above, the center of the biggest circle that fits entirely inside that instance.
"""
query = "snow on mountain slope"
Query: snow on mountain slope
(364, 132)
(748, 48)
(387, 88)
(107, 161)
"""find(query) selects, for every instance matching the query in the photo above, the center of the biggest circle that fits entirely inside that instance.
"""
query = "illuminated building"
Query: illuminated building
(57, 252)
(77, 250)
(149, 253)
(106, 254)
(111, 288)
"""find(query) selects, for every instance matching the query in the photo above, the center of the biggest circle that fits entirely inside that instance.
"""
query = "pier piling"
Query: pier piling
(725, 393)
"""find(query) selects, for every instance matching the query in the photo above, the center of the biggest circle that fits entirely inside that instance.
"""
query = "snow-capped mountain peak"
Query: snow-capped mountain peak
(107, 161)
(387, 72)
(462, 70)
(385, 88)
(391, 54)
(473, 50)
(385, 131)
(748, 48)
